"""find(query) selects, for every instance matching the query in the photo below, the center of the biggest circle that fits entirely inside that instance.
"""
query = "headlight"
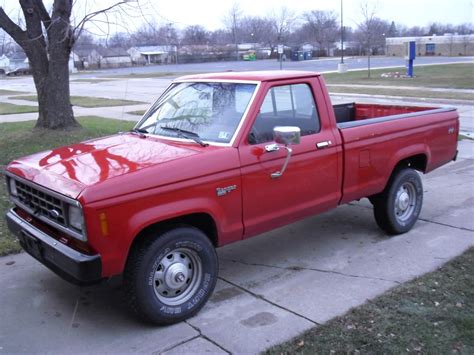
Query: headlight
(13, 190)
(75, 217)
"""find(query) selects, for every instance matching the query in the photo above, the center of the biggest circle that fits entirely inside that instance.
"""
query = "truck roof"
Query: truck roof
(264, 75)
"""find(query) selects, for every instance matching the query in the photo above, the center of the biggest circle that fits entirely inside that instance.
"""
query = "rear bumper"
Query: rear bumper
(68, 263)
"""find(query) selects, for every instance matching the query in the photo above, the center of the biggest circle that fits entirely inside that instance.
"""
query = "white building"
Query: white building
(153, 54)
(447, 45)
(4, 63)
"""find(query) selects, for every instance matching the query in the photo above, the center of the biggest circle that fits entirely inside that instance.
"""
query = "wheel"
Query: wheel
(397, 208)
(169, 277)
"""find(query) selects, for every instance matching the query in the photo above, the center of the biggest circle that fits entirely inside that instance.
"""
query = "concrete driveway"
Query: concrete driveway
(270, 288)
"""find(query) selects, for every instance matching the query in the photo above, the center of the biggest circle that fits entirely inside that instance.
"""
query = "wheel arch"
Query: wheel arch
(417, 162)
(200, 220)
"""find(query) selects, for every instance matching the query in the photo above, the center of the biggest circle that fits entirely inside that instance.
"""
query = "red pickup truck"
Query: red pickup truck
(217, 159)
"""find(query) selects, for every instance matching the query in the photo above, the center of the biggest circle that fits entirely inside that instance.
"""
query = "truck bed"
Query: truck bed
(374, 143)
(351, 114)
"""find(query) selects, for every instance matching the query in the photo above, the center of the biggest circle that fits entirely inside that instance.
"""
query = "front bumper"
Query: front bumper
(68, 263)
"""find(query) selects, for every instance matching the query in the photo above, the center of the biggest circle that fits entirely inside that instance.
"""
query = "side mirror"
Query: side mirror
(286, 135)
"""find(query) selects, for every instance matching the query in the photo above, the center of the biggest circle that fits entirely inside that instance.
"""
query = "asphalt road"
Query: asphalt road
(319, 65)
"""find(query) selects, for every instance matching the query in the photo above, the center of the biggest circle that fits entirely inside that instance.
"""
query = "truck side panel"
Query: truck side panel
(372, 151)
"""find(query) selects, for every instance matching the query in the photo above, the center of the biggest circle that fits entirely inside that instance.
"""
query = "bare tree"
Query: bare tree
(283, 22)
(368, 29)
(323, 28)
(195, 34)
(415, 31)
(465, 29)
(119, 39)
(257, 29)
(47, 38)
(232, 23)
(466, 43)
(5, 43)
(219, 37)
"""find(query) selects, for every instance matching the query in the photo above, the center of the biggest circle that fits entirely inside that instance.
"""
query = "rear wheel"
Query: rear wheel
(169, 277)
(397, 208)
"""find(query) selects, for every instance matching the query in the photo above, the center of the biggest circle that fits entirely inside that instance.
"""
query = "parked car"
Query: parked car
(217, 159)
(19, 71)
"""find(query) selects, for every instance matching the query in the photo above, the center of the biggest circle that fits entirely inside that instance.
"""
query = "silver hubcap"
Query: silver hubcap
(177, 276)
(405, 202)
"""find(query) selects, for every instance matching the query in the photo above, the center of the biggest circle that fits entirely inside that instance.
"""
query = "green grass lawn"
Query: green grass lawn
(8, 109)
(432, 314)
(20, 138)
(451, 76)
(462, 136)
(86, 101)
(10, 92)
(400, 92)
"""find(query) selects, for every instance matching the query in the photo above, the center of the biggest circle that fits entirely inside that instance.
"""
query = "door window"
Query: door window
(289, 105)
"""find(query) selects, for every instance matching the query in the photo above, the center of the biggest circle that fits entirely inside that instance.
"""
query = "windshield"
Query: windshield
(209, 111)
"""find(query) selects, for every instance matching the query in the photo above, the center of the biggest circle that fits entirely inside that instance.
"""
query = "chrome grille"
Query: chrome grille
(41, 203)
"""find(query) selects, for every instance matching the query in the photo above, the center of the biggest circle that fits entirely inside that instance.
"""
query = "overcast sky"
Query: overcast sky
(210, 13)
(408, 12)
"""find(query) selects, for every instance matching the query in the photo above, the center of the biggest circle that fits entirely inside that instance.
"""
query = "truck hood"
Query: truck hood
(69, 170)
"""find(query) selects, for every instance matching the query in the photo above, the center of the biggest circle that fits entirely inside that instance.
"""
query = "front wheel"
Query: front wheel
(397, 208)
(169, 277)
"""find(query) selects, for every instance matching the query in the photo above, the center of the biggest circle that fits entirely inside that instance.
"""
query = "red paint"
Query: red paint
(137, 181)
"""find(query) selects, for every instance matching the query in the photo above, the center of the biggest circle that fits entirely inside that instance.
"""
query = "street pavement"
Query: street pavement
(270, 288)
(319, 65)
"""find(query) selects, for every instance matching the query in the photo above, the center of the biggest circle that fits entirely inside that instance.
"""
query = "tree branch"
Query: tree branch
(34, 30)
(43, 13)
(12, 28)
(80, 26)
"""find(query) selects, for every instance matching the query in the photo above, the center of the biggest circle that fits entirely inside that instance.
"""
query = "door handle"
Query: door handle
(322, 145)
(272, 148)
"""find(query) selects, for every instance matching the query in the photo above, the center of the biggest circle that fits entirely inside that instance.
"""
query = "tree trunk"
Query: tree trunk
(47, 42)
(368, 59)
(55, 110)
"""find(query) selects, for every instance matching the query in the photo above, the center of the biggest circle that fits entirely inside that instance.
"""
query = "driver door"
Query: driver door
(310, 183)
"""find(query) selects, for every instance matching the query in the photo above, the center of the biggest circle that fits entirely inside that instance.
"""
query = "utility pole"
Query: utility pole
(342, 67)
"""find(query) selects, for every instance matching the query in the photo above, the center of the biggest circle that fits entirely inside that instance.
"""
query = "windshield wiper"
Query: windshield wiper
(185, 134)
(139, 131)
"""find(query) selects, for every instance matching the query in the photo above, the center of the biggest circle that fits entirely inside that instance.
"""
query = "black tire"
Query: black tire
(169, 277)
(397, 208)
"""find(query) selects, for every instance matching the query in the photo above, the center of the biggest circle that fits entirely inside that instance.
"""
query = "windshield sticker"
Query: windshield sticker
(224, 135)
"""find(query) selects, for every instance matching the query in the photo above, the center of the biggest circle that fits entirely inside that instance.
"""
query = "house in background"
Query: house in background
(86, 58)
(447, 45)
(18, 60)
(114, 58)
(4, 63)
(143, 55)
